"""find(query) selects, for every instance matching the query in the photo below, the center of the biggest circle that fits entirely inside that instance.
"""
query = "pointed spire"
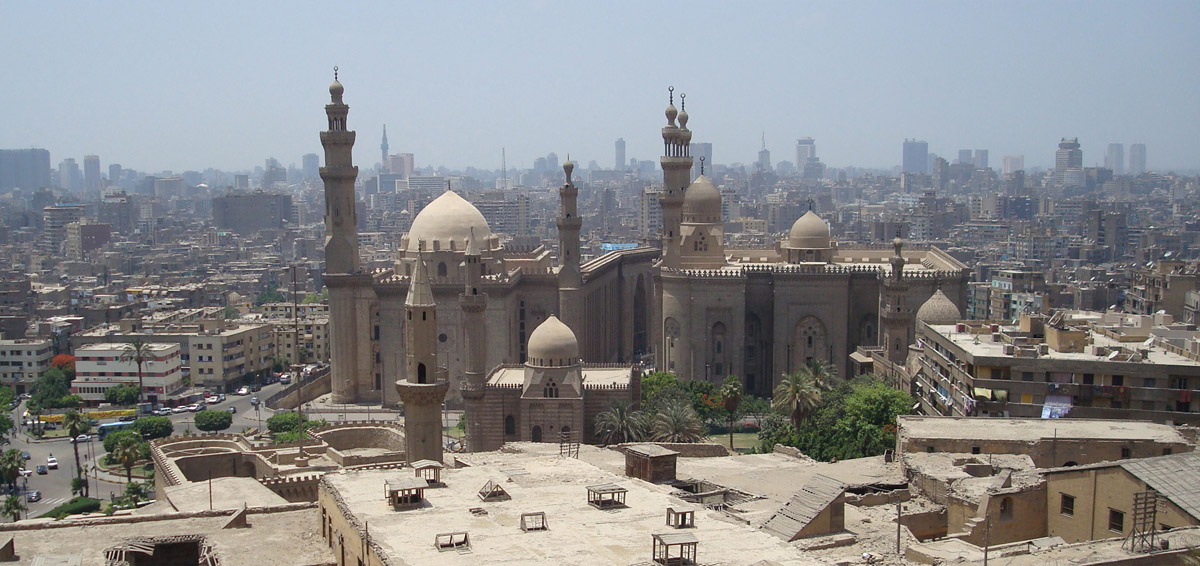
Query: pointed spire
(385, 134)
(764, 140)
(420, 293)
(472, 244)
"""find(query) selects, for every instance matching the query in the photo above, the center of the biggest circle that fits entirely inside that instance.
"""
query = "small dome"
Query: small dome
(702, 202)
(553, 344)
(671, 114)
(568, 167)
(336, 89)
(448, 218)
(939, 309)
(809, 232)
(683, 119)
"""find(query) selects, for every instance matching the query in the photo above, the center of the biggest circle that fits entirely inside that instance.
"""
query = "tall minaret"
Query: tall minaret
(570, 281)
(349, 288)
(383, 151)
(339, 173)
(474, 304)
(676, 164)
(425, 388)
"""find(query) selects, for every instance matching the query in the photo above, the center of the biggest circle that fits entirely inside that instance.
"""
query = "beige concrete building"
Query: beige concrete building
(22, 361)
(99, 367)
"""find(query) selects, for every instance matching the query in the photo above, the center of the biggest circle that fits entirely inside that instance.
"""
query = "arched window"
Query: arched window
(442, 269)
(1006, 509)
(566, 429)
(510, 425)
(537, 434)
(421, 373)
(550, 390)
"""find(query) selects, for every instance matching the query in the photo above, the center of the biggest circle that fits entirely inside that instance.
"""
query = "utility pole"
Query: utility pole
(987, 527)
(295, 362)
(899, 509)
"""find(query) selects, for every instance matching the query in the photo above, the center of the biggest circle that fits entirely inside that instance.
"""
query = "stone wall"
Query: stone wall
(685, 450)
(1048, 453)
(295, 489)
(316, 388)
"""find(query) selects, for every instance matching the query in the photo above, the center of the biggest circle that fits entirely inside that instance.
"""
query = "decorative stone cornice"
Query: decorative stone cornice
(422, 394)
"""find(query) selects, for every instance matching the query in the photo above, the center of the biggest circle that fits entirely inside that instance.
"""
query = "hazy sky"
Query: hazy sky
(174, 85)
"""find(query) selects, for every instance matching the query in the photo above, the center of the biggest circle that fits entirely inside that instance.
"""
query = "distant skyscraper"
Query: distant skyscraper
(552, 161)
(620, 155)
(311, 164)
(114, 173)
(91, 173)
(1068, 156)
(24, 169)
(764, 155)
(698, 150)
(964, 156)
(69, 175)
(1013, 163)
(383, 150)
(805, 148)
(981, 159)
(916, 157)
(1137, 159)
(1115, 158)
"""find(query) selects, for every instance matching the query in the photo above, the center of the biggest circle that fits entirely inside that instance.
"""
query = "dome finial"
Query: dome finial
(701, 164)
(335, 72)
(671, 94)
(683, 101)
(811, 202)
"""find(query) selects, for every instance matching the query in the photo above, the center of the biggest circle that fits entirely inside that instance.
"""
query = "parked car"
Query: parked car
(127, 419)
(181, 409)
(25, 472)
(33, 496)
(243, 391)
(220, 397)
(81, 438)
(212, 400)
(253, 401)
(163, 412)
(25, 455)
(232, 409)
(285, 378)
(255, 388)
(199, 407)
(42, 470)
(52, 462)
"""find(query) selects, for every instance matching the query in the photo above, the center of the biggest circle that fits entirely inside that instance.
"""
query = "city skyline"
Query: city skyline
(875, 74)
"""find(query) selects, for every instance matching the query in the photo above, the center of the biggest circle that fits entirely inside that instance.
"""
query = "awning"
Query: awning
(1001, 395)
(983, 394)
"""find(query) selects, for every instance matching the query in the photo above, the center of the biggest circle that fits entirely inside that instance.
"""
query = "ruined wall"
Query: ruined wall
(344, 533)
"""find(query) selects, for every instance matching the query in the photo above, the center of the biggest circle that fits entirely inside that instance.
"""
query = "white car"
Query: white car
(181, 409)
(25, 472)
(243, 391)
(212, 400)
(52, 462)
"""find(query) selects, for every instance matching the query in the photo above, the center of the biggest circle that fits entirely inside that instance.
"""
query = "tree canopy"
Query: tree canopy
(853, 420)
(154, 427)
(122, 395)
(213, 421)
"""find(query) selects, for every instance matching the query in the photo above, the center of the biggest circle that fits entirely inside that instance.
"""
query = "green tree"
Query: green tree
(868, 423)
(655, 382)
(823, 372)
(731, 398)
(620, 423)
(137, 351)
(283, 422)
(34, 408)
(756, 408)
(230, 312)
(128, 453)
(154, 427)
(13, 507)
(122, 395)
(76, 424)
(6, 424)
(677, 422)
(113, 438)
(78, 486)
(776, 429)
(213, 421)
(7, 395)
(271, 295)
(798, 395)
(317, 298)
(136, 491)
(11, 463)
(51, 387)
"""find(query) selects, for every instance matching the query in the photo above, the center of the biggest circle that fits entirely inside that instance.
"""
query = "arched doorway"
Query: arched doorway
(756, 355)
(810, 343)
(718, 353)
(671, 340)
(640, 312)
(537, 434)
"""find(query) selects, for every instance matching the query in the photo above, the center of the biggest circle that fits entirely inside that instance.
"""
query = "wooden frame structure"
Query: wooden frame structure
(459, 541)
(674, 549)
(682, 519)
(429, 471)
(405, 492)
(493, 491)
(534, 522)
(606, 496)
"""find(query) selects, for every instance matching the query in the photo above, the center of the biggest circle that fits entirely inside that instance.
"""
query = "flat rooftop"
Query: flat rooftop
(987, 428)
(578, 533)
(591, 376)
(986, 348)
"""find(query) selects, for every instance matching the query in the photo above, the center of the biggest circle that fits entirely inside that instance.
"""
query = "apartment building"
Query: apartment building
(99, 367)
(1072, 364)
(22, 361)
(1163, 286)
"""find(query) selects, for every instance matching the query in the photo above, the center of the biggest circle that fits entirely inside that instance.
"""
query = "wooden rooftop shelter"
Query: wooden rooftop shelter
(405, 491)
(674, 549)
(428, 470)
(606, 496)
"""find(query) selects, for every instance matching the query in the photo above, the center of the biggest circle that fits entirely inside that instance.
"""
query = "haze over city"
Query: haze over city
(177, 86)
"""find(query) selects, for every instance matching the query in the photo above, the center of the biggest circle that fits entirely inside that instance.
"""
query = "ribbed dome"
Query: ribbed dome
(702, 202)
(939, 309)
(448, 218)
(809, 232)
(553, 344)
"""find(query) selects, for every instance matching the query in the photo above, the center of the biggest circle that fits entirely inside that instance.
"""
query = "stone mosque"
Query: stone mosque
(532, 347)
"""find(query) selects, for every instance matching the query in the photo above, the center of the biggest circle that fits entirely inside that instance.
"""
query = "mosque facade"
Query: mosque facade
(690, 306)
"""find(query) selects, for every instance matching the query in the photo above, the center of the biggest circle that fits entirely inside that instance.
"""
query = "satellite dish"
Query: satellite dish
(1114, 354)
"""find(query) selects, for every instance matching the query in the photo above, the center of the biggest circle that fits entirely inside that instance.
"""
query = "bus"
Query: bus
(104, 429)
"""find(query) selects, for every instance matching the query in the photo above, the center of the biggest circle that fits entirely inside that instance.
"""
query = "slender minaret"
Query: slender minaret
(425, 388)
(570, 281)
(474, 304)
(676, 163)
(383, 151)
(349, 288)
(339, 173)
(895, 313)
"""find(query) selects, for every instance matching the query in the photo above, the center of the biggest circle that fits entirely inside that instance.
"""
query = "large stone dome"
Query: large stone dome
(553, 344)
(809, 232)
(449, 218)
(702, 202)
(939, 309)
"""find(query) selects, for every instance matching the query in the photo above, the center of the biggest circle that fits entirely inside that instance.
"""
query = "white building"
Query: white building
(99, 367)
(23, 361)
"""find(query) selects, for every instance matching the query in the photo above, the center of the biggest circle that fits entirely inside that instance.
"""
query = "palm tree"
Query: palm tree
(137, 351)
(128, 452)
(11, 463)
(76, 423)
(34, 408)
(13, 507)
(823, 372)
(731, 397)
(799, 394)
(677, 421)
(619, 423)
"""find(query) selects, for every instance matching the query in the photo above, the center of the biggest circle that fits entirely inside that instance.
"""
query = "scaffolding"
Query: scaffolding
(1145, 522)
(568, 444)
